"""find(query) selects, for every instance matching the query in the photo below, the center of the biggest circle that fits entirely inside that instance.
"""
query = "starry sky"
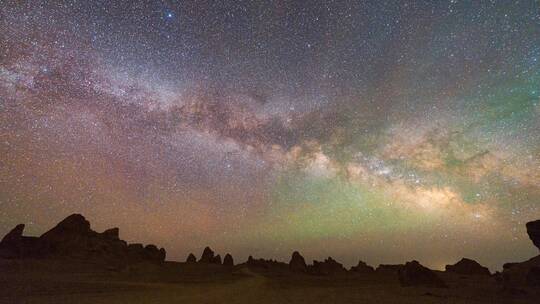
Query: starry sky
(377, 130)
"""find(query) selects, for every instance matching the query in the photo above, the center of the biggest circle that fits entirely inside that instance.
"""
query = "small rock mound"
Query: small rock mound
(468, 267)
(327, 267)
(191, 258)
(228, 260)
(414, 274)
(207, 256)
(362, 267)
(297, 263)
(533, 230)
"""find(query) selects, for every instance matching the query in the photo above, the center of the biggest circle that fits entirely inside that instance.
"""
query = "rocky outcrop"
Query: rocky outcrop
(265, 264)
(191, 258)
(362, 268)
(14, 235)
(73, 238)
(228, 260)
(527, 273)
(414, 274)
(533, 230)
(388, 268)
(15, 245)
(297, 263)
(216, 260)
(467, 267)
(207, 256)
(327, 267)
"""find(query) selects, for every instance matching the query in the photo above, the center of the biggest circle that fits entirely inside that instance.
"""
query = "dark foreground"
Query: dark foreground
(61, 281)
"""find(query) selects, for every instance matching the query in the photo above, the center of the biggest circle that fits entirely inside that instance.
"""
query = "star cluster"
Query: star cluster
(381, 130)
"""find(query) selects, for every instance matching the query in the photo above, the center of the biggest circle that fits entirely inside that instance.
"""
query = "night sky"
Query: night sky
(377, 130)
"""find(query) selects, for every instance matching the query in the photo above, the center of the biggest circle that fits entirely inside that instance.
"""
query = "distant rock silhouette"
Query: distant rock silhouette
(207, 256)
(468, 267)
(15, 245)
(388, 268)
(266, 264)
(362, 267)
(228, 260)
(74, 238)
(216, 260)
(414, 274)
(327, 267)
(14, 235)
(297, 263)
(533, 230)
(191, 258)
(527, 273)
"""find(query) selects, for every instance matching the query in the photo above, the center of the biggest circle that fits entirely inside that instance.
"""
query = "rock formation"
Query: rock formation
(414, 274)
(327, 267)
(74, 238)
(362, 267)
(266, 264)
(207, 256)
(467, 267)
(297, 263)
(228, 260)
(191, 258)
(533, 230)
(216, 260)
(388, 268)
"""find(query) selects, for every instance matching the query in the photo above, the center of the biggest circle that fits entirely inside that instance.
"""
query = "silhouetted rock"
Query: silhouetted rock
(297, 263)
(414, 274)
(216, 260)
(15, 245)
(207, 256)
(521, 274)
(14, 236)
(388, 268)
(228, 260)
(533, 230)
(73, 238)
(191, 258)
(327, 267)
(362, 267)
(267, 265)
(468, 267)
(113, 233)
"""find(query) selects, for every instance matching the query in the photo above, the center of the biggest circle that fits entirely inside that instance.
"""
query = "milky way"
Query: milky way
(380, 130)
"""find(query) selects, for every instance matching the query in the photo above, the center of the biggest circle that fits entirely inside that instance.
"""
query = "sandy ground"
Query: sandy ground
(61, 282)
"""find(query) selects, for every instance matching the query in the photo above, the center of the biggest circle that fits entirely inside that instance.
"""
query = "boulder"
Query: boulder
(297, 263)
(228, 260)
(414, 274)
(191, 258)
(533, 230)
(207, 256)
(362, 267)
(468, 267)
(327, 267)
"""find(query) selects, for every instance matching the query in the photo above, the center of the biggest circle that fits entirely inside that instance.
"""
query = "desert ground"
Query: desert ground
(61, 281)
